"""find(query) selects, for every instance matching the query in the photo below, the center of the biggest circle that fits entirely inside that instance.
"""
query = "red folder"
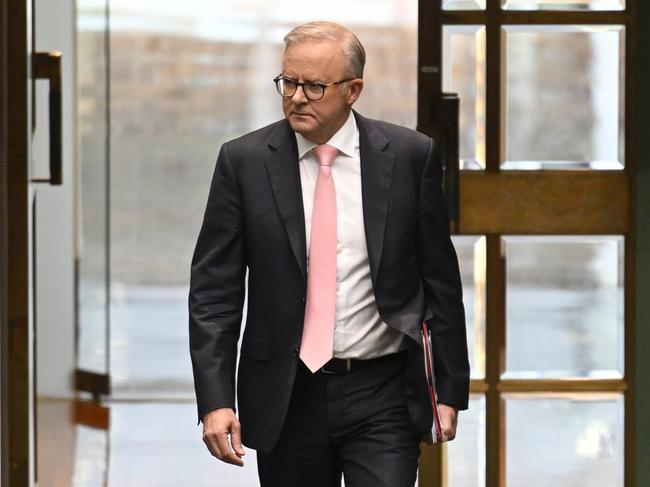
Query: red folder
(436, 428)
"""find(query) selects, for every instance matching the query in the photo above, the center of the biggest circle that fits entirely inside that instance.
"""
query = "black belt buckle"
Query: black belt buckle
(337, 366)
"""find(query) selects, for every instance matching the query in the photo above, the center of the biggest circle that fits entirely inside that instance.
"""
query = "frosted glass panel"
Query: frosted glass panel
(471, 257)
(563, 4)
(91, 462)
(564, 441)
(466, 453)
(463, 4)
(563, 108)
(92, 109)
(564, 312)
(463, 59)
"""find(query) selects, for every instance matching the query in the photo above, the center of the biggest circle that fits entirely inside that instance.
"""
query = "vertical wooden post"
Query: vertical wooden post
(15, 319)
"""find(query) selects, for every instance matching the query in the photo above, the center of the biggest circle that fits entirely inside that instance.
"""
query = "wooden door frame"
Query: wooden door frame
(15, 255)
(3, 238)
(642, 265)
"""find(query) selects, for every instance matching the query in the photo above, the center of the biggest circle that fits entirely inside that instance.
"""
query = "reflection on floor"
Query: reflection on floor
(145, 445)
(56, 443)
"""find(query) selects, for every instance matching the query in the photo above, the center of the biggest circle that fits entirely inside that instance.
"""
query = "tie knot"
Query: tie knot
(325, 154)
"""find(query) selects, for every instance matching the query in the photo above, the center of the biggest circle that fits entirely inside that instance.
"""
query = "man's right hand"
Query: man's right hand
(218, 426)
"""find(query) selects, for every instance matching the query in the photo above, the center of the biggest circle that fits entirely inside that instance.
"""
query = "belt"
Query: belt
(345, 365)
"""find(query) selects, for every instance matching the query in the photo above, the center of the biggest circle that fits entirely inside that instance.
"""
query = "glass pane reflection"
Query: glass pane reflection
(472, 260)
(563, 4)
(186, 77)
(90, 457)
(463, 60)
(463, 4)
(564, 312)
(564, 440)
(564, 108)
(152, 445)
(466, 453)
(92, 108)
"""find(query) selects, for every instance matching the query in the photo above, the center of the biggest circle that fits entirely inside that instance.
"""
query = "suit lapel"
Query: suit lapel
(376, 180)
(284, 175)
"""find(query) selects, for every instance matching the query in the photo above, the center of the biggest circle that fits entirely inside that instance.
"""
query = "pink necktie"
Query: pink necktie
(318, 331)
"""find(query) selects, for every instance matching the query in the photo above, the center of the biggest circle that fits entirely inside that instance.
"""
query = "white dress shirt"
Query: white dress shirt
(359, 331)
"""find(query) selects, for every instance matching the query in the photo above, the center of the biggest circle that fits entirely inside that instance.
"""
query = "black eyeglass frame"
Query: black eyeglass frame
(298, 84)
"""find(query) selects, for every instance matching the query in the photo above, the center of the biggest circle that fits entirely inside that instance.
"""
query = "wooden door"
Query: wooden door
(544, 233)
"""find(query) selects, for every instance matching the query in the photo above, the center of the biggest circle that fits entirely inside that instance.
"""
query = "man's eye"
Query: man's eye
(314, 87)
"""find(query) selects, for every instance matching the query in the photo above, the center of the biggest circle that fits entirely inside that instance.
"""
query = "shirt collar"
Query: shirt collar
(345, 139)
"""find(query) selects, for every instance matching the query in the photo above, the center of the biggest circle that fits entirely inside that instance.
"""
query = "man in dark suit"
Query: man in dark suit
(341, 224)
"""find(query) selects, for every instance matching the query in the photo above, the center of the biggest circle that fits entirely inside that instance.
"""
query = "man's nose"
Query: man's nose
(299, 95)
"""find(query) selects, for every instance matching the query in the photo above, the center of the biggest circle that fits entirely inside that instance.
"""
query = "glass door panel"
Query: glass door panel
(91, 457)
(463, 4)
(93, 211)
(471, 256)
(466, 454)
(463, 60)
(183, 81)
(563, 108)
(564, 311)
(564, 440)
(152, 445)
(391, 64)
(563, 4)
(184, 78)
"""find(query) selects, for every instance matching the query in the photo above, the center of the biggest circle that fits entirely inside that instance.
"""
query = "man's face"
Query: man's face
(322, 61)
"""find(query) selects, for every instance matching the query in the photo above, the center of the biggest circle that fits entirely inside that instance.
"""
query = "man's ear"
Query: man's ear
(355, 87)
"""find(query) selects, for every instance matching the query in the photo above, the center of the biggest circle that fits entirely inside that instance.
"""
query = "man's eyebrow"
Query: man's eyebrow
(307, 81)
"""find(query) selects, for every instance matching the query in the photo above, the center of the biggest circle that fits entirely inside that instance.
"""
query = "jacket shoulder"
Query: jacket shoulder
(391, 128)
(400, 135)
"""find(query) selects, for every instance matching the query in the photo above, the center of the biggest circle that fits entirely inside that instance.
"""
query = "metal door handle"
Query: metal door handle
(47, 65)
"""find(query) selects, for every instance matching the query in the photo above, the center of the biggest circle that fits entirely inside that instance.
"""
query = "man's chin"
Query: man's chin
(303, 127)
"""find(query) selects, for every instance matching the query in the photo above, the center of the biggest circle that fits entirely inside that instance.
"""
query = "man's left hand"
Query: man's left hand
(449, 420)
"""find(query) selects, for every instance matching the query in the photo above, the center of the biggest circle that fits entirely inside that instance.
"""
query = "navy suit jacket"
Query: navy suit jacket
(254, 221)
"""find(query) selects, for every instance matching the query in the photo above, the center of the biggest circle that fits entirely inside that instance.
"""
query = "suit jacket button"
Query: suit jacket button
(303, 299)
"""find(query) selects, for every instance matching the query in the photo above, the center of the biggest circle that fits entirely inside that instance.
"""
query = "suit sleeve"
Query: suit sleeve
(442, 287)
(217, 289)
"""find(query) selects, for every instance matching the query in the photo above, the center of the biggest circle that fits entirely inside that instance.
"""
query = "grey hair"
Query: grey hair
(355, 54)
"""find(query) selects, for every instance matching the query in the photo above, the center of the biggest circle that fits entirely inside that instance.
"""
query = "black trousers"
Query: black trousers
(354, 424)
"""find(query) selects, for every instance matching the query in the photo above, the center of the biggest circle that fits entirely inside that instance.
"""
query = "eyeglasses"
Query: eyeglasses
(313, 90)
